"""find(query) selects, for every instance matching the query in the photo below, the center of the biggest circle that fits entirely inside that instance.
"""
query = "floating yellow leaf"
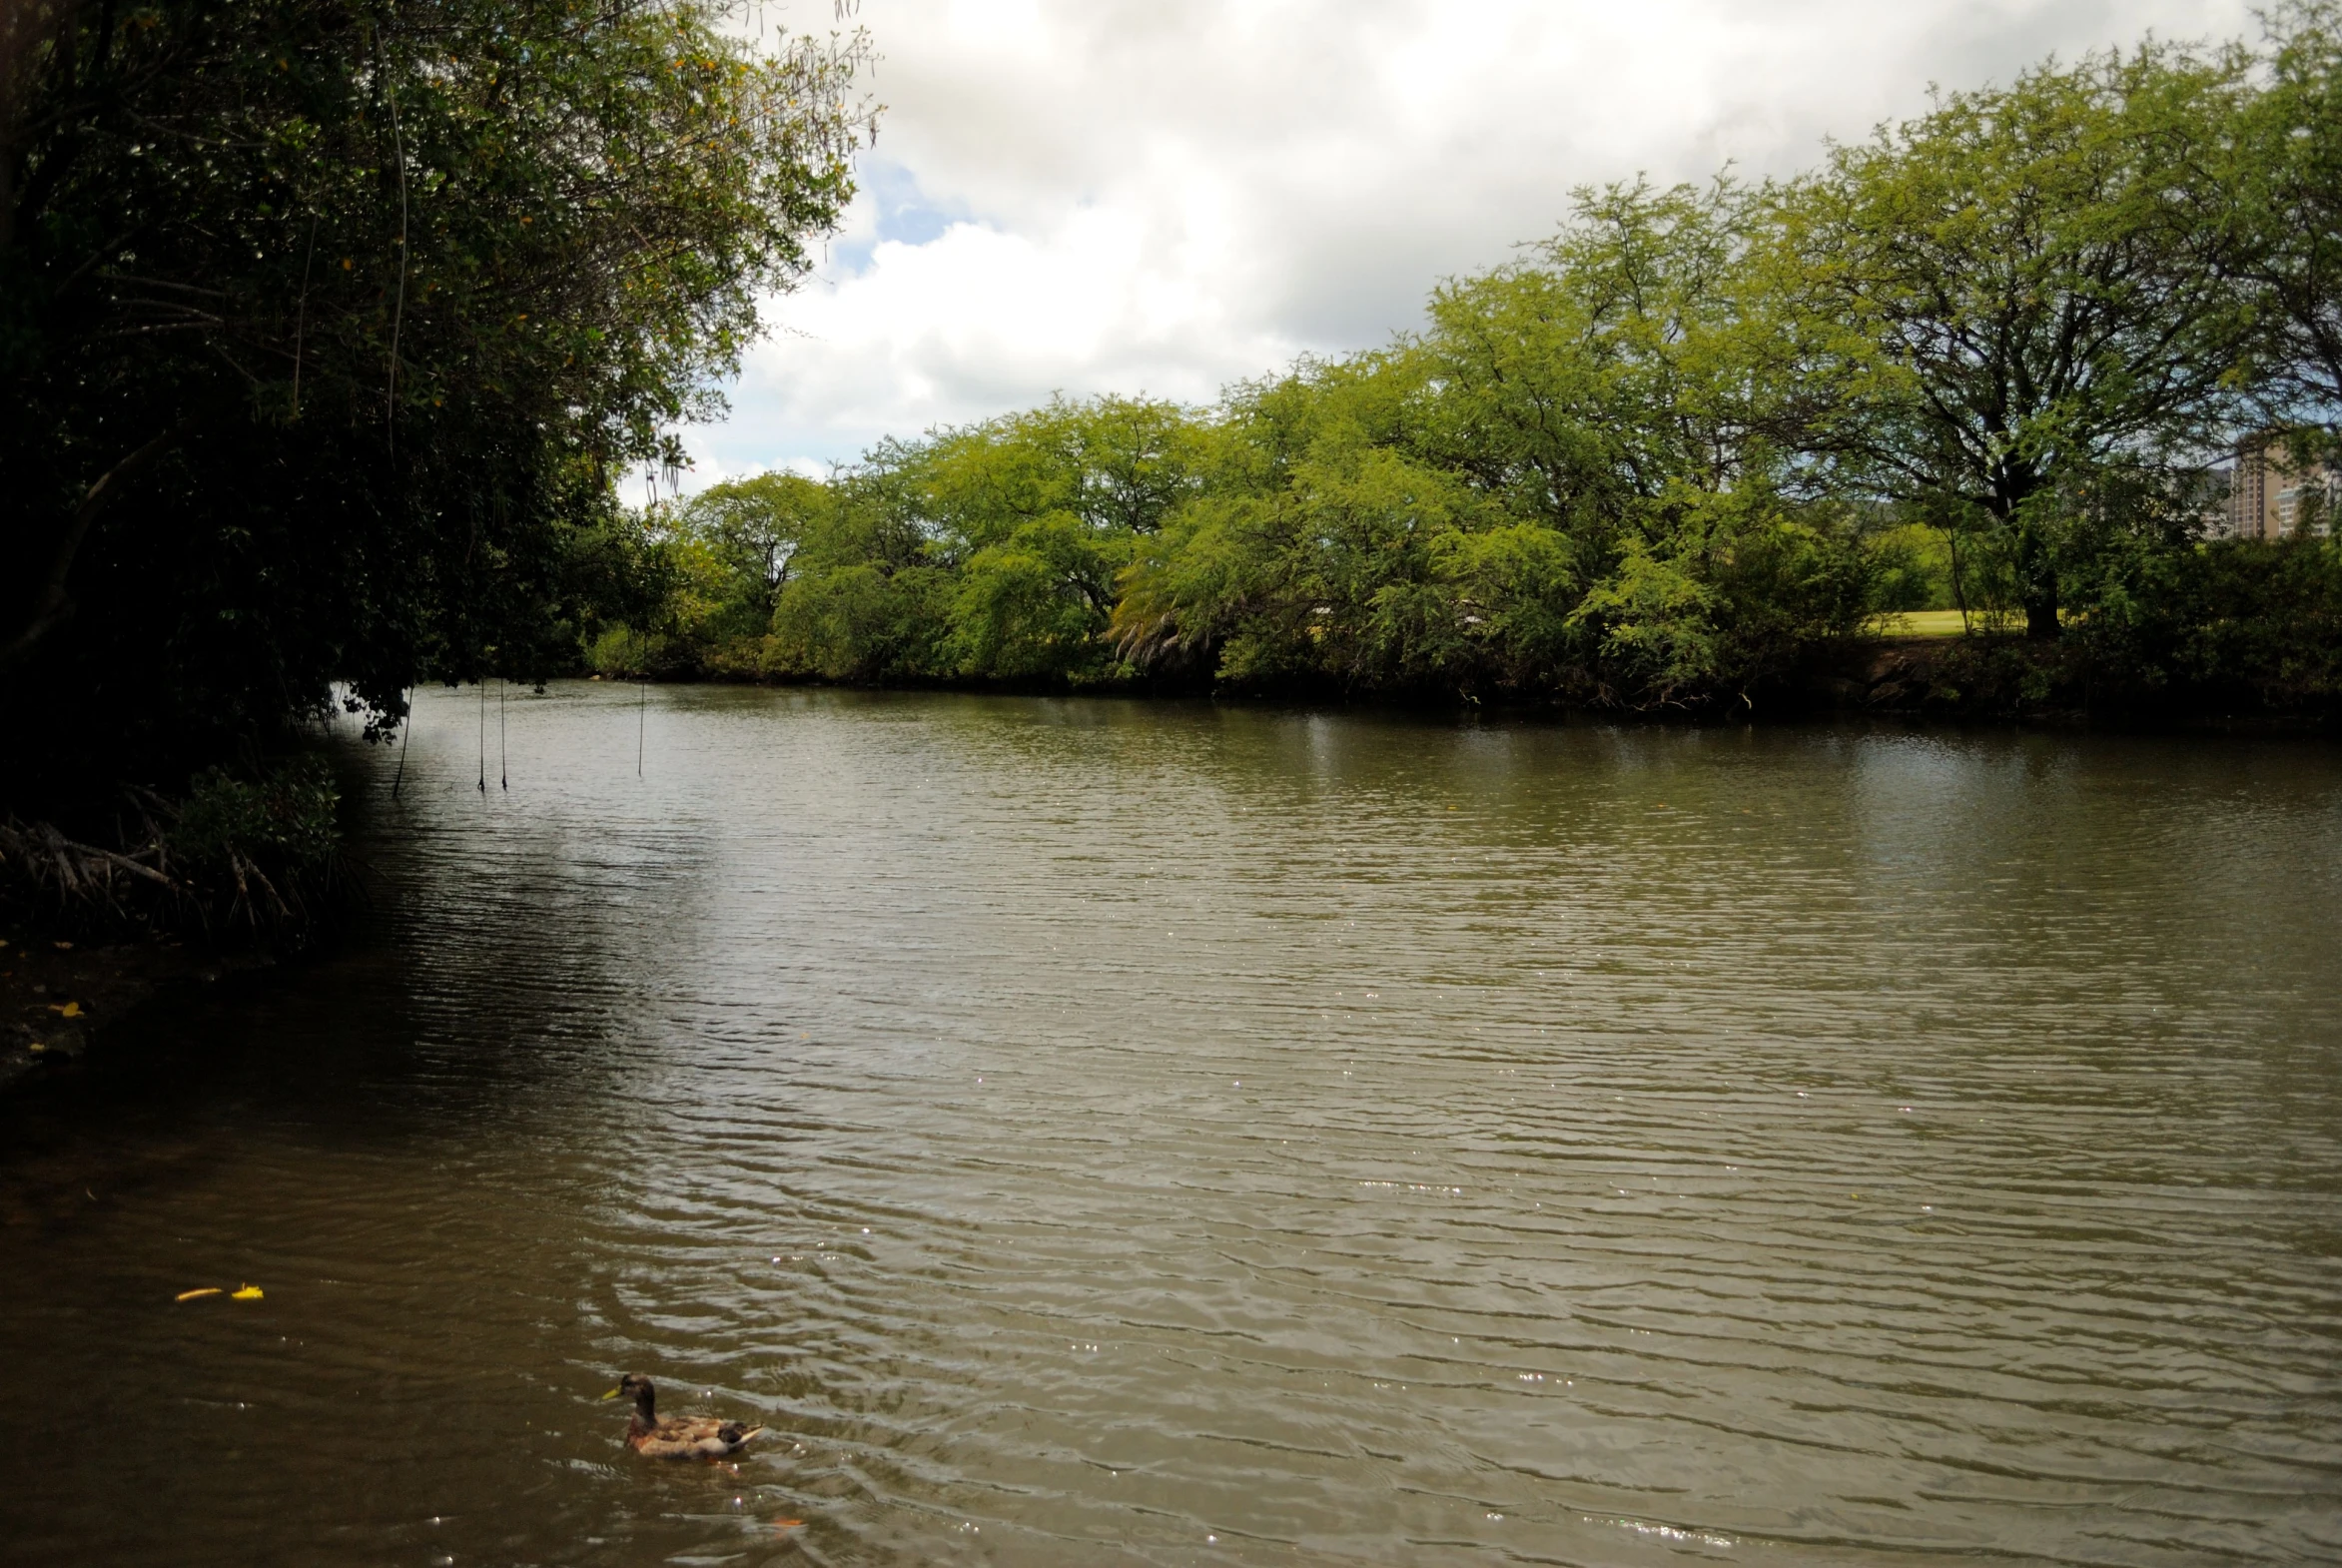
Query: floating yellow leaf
(189, 1295)
(246, 1294)
(67, 1010)
(62, 946)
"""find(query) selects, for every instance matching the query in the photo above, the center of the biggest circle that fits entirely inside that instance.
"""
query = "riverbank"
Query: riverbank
(1923, 674)
(2012, 679)
(58, 994)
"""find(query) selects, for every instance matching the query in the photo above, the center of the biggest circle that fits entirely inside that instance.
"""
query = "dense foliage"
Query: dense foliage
(1988, 357)
(325, 327)
(2037, 294)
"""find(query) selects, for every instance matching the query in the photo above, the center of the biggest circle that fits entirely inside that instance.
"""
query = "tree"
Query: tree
(1576, 482)
(365, 304)
(867, 591)
(1636, 351)
(750, 530)
(2038, 279)
(2288, 176)
(1038, 512)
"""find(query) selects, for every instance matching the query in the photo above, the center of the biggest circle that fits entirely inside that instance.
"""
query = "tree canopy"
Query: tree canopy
(2286, 179)
(2040, 282)
(326, 325)
(1989, 357)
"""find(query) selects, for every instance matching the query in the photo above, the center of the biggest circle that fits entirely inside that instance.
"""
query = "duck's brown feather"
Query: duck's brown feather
(692, 1437)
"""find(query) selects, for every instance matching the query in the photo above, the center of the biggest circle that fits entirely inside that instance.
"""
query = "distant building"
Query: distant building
(2270, 496)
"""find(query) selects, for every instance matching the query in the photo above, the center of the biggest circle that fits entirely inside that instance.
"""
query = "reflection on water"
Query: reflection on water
(1093, 1132)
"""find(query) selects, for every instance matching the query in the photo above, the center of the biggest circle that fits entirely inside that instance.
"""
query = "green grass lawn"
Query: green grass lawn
(1922, 623)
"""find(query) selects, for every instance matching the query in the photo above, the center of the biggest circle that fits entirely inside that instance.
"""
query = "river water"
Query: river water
(1102, 1132)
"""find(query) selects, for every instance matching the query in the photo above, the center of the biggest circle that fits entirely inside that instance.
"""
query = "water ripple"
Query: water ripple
(1093, 1132)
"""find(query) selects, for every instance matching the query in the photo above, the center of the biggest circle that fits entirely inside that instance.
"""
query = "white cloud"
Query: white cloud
(1154, 196)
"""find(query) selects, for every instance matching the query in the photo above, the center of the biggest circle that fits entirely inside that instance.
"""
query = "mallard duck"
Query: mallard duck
(677, 1436)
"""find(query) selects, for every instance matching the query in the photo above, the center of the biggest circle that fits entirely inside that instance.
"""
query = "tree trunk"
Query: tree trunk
(2037, 565)
(2037, 582)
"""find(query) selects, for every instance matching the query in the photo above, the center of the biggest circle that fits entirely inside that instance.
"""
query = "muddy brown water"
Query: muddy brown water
(1100, 1133)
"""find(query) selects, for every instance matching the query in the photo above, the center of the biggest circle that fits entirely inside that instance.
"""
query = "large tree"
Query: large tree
(2288, 178)
(325, 324)
(2040, 282)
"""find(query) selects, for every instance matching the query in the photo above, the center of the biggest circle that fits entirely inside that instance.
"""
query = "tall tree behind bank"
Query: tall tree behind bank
(2042, 283)
(326, 326)
(2288, 179)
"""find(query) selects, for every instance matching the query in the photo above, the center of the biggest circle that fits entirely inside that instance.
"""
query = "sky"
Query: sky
(1162, 197)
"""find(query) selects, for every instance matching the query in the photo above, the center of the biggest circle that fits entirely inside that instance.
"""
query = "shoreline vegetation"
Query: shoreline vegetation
(1936, 674)
(327, 328)
(329, 332)
(2001, 363)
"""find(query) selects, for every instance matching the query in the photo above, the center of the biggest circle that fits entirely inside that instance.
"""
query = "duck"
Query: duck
(677, 1436)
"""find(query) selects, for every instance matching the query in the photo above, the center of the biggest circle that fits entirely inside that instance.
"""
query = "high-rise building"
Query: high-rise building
(2271, 497)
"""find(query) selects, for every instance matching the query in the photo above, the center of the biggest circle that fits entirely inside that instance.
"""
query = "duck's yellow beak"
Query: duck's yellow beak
(612, 1394)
